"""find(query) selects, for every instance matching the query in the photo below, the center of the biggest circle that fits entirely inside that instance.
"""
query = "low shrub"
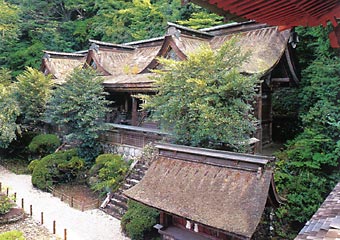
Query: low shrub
(109, 171)
(139, 220)
(44, 144)
(5, 204)
(58, 167)
(12, 235)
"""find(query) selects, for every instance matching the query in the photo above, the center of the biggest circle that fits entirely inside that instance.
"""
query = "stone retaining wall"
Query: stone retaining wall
(128, 152)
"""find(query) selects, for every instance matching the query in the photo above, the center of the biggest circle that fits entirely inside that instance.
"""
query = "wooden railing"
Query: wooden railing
(132, 136)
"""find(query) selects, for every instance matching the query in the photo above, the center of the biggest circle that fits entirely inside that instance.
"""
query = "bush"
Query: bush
(5, 204)
(12, 235)
(44, 144)
(139, 220)
(58, 167)
(110, 170)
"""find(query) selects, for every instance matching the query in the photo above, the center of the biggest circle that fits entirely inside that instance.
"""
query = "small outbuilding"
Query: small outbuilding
(207, 194)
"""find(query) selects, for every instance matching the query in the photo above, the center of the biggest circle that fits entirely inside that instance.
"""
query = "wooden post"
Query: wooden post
(15, 197)
(0, 187)
(134, 114)
(82, 206)
(42, 218)
(71, 201)
(54, 231)
(98, 203)
(31, 211)
(22, 203)
(65, 234)
(7, 192)
(62, 197)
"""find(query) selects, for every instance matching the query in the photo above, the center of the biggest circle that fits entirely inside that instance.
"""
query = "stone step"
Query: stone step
(140, 167)
(132, 181)
(114, 211)
(120, 197)
(136, 176)
(118, 203)
(126, 186)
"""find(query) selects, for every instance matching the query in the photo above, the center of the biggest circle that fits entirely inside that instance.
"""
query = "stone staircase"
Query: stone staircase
(116, 203)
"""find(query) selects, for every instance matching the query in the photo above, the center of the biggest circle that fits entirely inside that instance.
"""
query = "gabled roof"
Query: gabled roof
(60, 64)
(223, 190)
(325, 223)
(266, 44)
(117, 60)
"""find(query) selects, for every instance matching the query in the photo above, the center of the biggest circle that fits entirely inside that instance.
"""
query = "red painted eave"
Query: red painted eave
(283, 13)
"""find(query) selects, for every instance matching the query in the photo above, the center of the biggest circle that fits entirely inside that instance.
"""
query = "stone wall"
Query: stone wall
(128, 152)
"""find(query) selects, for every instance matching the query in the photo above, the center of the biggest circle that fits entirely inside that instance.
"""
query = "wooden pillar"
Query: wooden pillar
(126, 106)
(134, 114)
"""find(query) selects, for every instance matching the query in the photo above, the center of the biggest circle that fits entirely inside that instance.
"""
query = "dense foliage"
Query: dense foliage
(29, 26)
(59, 167)
(44, 144)
(309, 168)
(204, 100)
(80, 106)
(108, 172)
(139, 220)
(32, 90)
(8, 116)
(12, 235)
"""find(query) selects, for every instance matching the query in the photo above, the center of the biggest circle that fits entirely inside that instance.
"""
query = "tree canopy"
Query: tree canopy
(32, 90)
(79, 106)
(205, 101)
(308, 169)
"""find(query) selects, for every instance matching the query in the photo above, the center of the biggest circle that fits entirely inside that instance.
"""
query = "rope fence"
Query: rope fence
(73, 202)
(2, 188)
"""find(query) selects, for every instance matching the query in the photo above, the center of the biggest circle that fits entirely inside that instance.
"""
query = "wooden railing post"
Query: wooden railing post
(54, 227)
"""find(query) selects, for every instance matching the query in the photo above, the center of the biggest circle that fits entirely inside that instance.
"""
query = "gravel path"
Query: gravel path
(88, 225)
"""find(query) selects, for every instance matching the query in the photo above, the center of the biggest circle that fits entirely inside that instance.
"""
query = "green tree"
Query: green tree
(8, 116)
(308, 169)
(80, 106)
(9, 16)
(201, 20)
(33, 90)
(205, 101)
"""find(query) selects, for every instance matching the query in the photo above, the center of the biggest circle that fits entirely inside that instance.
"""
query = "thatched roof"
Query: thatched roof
(222, 190)
(325, 223)
(131, 82)
(265, 44)
(60, 64)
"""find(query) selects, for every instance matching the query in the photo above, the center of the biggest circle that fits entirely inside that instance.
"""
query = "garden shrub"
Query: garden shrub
(109, 171)
(58, 167)
(12, 235)
(5, 204)
(139, 220)
(44, 144)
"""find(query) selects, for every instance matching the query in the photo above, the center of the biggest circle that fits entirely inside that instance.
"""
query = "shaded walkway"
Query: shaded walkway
(88, 225)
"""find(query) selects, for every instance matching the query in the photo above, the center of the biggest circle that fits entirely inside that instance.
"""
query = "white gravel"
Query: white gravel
(88, 225)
